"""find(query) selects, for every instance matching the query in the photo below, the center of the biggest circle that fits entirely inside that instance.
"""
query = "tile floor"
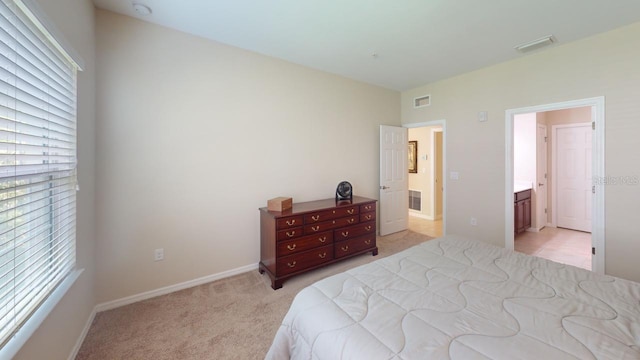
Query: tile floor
(560, 245)
(424, 226)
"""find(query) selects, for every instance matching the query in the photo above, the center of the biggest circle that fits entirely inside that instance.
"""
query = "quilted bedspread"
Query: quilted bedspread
(456, 298)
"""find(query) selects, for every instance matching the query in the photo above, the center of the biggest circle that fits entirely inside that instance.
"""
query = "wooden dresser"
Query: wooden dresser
(314, 234)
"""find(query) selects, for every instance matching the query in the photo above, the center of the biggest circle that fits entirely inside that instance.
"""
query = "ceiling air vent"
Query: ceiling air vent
(422, 101)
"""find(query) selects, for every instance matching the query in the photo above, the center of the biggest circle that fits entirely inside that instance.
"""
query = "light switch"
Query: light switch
(483, 116)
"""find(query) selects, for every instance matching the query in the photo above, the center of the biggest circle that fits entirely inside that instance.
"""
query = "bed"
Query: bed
(456, 298)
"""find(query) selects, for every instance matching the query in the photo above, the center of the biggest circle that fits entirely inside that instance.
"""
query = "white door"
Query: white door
(394, 185)
(573, 146)
(541, 175)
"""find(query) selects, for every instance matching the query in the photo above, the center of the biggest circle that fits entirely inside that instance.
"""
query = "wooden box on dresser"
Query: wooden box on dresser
(314, 234)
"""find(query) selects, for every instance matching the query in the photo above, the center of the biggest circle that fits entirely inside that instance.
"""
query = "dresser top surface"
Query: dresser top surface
(304, 207)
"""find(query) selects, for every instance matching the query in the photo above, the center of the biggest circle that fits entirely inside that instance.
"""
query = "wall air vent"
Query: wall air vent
(422, 101)
(415, 200)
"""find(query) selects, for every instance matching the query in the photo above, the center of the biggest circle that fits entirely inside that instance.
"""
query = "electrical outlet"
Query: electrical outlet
(158, 254)
(474, 221)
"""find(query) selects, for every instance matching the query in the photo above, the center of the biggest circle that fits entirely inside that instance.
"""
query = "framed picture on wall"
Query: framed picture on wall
(413, 157)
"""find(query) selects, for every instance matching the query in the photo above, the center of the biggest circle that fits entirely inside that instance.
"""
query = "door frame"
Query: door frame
(443, 125)
(554, 167)
(433, 173)
(541, 213)
(597, 105)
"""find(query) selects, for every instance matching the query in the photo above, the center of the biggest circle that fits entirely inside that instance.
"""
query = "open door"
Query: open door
(394, 184)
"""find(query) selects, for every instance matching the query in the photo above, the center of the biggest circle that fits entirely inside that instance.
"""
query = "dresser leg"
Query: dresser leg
(374, 252)
(276, 284)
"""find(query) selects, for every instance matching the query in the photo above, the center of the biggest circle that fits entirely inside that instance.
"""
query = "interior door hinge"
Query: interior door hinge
(593, 251)
(593, 125)
(545, 139)
(593, 189)
(545, 210)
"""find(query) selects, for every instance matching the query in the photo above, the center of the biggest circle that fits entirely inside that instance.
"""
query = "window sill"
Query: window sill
(11, 348)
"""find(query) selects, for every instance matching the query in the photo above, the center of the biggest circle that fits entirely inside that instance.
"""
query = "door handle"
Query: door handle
(384, 187)
(540, 184)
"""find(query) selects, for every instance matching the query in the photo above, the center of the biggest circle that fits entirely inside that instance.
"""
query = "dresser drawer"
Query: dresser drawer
(331, 224)
(348, 247)
(354, 231)
(321, 216)
(290, 247)
(293, 263)
(289, 234)
(370, 216)
(289, 222)
(368, 207)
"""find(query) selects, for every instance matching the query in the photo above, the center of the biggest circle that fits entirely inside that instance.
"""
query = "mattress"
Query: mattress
(457, 298)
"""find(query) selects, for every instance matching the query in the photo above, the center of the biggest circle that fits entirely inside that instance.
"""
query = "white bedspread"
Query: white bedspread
(453, 298)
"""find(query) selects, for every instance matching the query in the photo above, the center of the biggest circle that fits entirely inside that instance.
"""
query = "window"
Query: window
(37, 165)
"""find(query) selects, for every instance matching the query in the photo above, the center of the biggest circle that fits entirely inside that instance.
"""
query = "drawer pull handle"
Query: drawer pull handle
(290, 223)
(368, 228)
(368, 242)
(345, 233)
(350, 221)
(368, 207)
(292, 234)
(291, 247)
(345, 248)
(315, 228)
(315, 217)
(323, 239)
(291, 264)
(333, 212)
(323, 255)
(368, 217)
(350, 211)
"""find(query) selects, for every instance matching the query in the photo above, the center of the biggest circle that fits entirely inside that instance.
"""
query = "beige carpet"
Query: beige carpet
(233, 318)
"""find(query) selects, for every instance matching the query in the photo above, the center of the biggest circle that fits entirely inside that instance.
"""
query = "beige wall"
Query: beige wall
(602, 65)
(58, 334)
(194, 136)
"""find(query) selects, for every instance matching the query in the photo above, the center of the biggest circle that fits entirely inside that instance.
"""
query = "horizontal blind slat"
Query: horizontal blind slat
(28, 40)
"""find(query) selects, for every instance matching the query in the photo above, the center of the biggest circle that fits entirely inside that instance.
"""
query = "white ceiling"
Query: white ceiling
(416, 41)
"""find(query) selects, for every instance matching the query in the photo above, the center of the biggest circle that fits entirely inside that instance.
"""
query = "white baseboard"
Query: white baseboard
(83, 335)
(419, 215)
(173, 288)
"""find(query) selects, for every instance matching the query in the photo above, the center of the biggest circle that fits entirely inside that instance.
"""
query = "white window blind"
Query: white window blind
(37, 165)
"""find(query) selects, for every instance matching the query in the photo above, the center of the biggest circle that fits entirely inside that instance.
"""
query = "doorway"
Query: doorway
(596, 162)
(426, 184)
